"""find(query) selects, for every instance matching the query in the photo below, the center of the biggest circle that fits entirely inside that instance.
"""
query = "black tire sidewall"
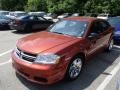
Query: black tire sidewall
(67, 76)
(28, 28)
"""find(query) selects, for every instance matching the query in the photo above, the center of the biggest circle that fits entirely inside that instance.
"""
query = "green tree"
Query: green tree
(13, 4)
(61, 6)
(115, 7)
(36, 5)
(52, 5)
(102, 6)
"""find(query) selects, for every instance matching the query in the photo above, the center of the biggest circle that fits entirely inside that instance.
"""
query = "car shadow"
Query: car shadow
(5, 29)
(92, 70)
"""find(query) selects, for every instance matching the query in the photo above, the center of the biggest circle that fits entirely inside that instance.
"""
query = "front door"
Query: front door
(98, 37)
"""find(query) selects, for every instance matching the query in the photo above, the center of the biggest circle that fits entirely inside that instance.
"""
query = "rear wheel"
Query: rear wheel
(110, 46)
(28, 28)
(74, 68)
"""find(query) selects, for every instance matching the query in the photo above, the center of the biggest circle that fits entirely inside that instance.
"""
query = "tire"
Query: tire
(28, 28)
(110, 45)
(74, 68)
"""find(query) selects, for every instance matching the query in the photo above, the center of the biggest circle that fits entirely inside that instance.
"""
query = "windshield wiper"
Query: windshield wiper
(62, 33)
(58, 32)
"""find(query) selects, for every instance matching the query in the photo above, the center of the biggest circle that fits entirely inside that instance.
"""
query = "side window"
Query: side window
(40, 18)
(96, 28)
(105, 25)
(33, 18)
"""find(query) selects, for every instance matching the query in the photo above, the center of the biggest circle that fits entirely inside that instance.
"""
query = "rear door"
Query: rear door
(106, 31)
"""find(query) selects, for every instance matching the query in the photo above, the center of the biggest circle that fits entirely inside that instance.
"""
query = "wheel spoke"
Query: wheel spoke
(75, 68)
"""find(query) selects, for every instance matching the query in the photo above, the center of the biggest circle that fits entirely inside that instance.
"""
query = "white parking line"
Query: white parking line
(1, 64)
(106, 81)
(116, 46)
(5, 52)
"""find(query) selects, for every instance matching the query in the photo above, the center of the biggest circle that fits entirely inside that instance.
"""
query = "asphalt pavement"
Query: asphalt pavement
(100, 73)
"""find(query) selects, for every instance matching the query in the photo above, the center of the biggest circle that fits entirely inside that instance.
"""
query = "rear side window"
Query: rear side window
(96, 27)
(105, 25)
(100, 26)
(40, 18)
(33, 18)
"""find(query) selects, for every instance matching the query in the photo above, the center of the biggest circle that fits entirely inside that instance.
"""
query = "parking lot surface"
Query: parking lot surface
(100, 73)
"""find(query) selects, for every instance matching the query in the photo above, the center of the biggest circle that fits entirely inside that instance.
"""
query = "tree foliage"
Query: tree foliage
(36, 5)
(12, 4)
(61, 6)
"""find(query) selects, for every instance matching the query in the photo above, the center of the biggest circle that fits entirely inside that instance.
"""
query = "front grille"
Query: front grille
(25, 56)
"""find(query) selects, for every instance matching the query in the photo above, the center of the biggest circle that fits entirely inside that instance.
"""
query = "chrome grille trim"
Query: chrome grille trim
(25, 56)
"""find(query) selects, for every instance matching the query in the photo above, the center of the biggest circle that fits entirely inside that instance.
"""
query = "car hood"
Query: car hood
(39, 42)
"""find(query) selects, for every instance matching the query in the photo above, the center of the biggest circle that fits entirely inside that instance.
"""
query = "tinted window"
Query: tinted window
(70, 27)
(40, 18)
(95, 27)
(33, 18)
(105, 25)
(100, 26)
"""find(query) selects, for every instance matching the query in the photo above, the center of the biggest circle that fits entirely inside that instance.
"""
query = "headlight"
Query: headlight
(47, 59)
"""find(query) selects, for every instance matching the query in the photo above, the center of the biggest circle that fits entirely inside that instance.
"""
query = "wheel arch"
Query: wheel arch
(82, 55)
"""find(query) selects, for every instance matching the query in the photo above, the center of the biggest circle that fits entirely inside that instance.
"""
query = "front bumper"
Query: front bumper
(41, 74)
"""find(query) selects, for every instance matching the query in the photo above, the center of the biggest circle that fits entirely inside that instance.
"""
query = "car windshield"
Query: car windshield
(69, 27)
(114, 21)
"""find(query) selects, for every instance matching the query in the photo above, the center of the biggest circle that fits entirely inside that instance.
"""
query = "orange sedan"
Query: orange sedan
(61, 51)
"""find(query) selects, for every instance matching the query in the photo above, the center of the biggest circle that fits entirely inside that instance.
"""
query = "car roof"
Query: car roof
(88, 19)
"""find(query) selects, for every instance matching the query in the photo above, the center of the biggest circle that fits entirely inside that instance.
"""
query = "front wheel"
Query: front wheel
(74, 68)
